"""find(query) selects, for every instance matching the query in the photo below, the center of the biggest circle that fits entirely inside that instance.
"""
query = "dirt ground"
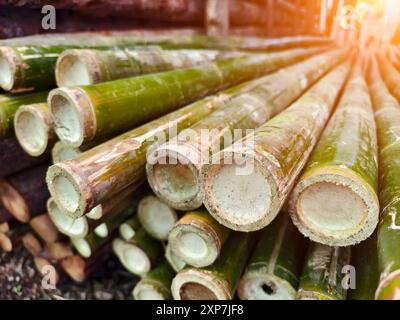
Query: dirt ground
(20, 281)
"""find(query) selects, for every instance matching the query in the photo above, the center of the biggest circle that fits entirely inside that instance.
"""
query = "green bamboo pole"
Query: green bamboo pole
(8, 107)
(387, 116)
(197, 238)
(175, 262)
(156, 285)
(335, 201)
(364, 258)
(274, 270)
(246, 184)
(323, 275)
(156, 217)
(82, 114)
(126, 157)
(218, 281)
(138, 252)
(174, 175)
(128, 38)
(77, 67)
(34, 128)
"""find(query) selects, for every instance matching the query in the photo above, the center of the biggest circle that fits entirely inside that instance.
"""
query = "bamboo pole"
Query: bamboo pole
(125, 160)
(34, 128)
(8, 107)
(32, 244)
(274, 270)
(246, 184)
(156, 217)
(175, 262)
(12, 153)
(24, 194)
(59, 250)
(322, 277)
(197, 238)
(156, 285)
(82, 114)
(390, 75)
(44, 228)
(364, 258)
(174, 175)
(335, 201)
(138, 252)
(218, 281)
(77, 67)
(387, 116)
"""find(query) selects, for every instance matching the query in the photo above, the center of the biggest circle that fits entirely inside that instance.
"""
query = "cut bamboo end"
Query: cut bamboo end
(388, 288)
(174, 261)
(75, 228)
(72, 194)
(126, 231)
(5, 243)
(174, 176)
(241, 196)
(197, 284)
(132, 257)
(264, 286)
(82, 246)
(156, 217)
(62, 152)
(148, 289)
(45, 228)
(77, 67)
(197, 243)
(334, 207)
(96, 213)
(59, 250)
(14, 202)
(34, 128)
(101, 230)
(9, 61)
(75, 268)
(31, 244)
(73, 115)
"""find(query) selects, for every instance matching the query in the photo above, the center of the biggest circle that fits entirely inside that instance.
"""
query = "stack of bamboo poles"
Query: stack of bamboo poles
(272, 214)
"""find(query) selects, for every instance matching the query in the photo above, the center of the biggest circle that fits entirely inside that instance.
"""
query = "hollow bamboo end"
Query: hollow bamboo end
(334, 208)
(240, 195)
(31, 244)
(76, 68)
(34, 129)
(156, 217)
(96, 213)
(101, 230)
(71, 193)
(14, 202)
(61, 152)
(147, 289)
(196, 245)
(73, 115)
(132, 257)
(388, 288)
(174, 176)
(197, 284)
(8, 68)
(75, 228)
(263, 286)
